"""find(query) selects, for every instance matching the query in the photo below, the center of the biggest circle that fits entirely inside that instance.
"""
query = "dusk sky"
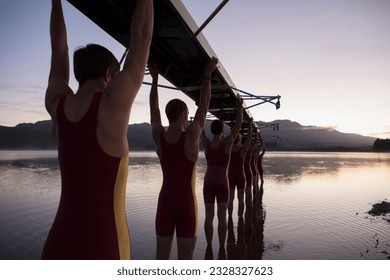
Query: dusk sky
(328, 59)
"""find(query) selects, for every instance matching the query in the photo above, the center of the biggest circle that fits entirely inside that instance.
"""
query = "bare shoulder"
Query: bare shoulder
(157, 130)
(55, 90)
(112, 127)
(192, 143)
(194, 131)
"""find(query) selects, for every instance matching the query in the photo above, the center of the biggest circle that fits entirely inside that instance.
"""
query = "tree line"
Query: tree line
(382, 145)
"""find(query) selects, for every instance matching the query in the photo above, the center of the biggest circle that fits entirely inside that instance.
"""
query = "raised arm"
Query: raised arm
(254, 143)
(248, 140)
(257, 148)
(262, 149)
(141, 38)
(59, 68)
(123, 88)
(237, 126)
(155, 116)
(196, 127)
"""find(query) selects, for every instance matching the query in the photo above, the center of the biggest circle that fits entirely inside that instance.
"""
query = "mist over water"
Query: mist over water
(314, 206)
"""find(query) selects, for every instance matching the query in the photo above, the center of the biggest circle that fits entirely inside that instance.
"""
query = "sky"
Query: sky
(329, 60)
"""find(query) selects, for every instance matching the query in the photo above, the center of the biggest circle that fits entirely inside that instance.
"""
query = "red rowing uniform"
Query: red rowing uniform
(177, 206)
(215, 180)
(236, 170)
(90, 221)
(248, 170)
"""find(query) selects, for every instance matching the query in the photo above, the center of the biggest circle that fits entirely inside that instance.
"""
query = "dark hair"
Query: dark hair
(91, 61)
(174, 108)
(216, 127)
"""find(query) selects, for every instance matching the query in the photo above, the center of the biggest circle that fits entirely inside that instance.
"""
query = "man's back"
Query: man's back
(88, 224)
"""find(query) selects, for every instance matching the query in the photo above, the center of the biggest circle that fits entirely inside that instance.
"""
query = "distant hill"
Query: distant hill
(291, 135)
(140, 137)
(38, 136)
(27, 136)
(294, 136)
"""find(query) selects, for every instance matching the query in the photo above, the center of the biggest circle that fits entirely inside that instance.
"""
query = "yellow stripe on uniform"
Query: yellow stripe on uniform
(119, 209)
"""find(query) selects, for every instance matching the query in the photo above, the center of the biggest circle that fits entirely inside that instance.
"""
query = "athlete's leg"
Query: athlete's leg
(186, 227)
(185, 247)
(164, 245)
(208, 222)
(255, 186)
(248, 195)
(231, 199)
(222, 225)
(209, 255)
(241, 206)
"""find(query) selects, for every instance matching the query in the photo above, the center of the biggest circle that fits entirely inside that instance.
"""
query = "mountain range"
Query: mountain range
(290, 136)
(294, 136)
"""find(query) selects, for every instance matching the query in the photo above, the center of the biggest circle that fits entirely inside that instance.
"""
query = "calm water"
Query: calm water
(314, 207)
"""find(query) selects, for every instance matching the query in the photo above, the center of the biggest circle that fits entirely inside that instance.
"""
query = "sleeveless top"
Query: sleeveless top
(90, 221)
(177, 206)
(217, 157)
(178, 170)
(236, 166)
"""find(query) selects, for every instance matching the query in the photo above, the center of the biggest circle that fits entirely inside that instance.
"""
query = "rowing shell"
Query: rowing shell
(179, 54)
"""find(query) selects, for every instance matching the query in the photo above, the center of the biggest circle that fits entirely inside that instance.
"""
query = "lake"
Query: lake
(314, 206)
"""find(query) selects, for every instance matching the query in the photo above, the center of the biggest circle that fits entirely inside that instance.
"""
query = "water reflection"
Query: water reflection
(315, 218)
(291, 167)
(248, 242)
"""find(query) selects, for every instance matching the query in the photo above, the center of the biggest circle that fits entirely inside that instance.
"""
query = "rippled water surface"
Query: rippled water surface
(314, 206)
